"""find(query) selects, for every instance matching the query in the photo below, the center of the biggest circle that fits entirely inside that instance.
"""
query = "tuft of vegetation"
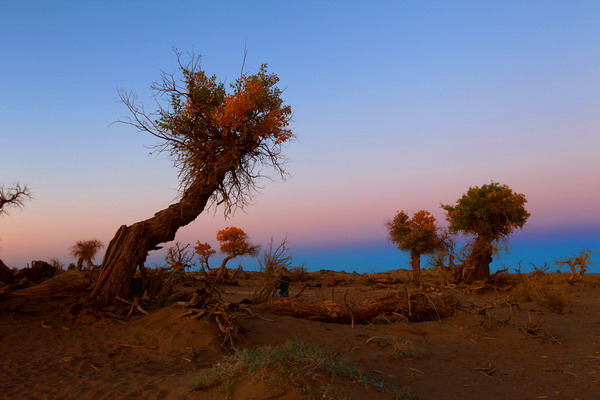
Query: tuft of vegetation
(406, 349)
(543, 291)
(296, 363)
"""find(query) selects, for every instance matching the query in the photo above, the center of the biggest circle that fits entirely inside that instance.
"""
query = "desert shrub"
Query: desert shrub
(543, 291)
(295, 363)
(299, 274)
(56, 263)
(275, 258)
(85, 251)
(179, 257)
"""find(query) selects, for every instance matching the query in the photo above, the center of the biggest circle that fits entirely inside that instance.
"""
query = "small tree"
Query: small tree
(490, 213)
(85, 251)
(13, 196)
(578, 264)
(417, 235)
(204, 251)
(234, 242)
(179, 257)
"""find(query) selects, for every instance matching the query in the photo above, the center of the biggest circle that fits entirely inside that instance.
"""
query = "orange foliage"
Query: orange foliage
(234, 242)
(254, 103)
(204, 252)
(249, 104)
(422, 221)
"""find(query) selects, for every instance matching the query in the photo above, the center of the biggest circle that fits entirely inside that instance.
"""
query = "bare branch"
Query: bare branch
(13, 196)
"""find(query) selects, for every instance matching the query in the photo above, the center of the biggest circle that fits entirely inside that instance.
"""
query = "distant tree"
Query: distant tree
(179, 257)
(13, 196)
(234, 242)
(578, 264)
(204, 251)
(85, 251)
(417, 235)
(489, 213)
(217, 139)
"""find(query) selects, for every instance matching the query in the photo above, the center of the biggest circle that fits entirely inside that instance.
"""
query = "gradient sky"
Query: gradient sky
(397, 105)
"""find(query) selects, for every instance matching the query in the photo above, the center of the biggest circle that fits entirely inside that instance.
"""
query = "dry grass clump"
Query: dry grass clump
(543, 291)
(299, 274)
(536, 330)
(295, 363)
(381, 281)
(405, 349)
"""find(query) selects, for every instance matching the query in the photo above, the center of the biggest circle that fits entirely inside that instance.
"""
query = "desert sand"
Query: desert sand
(497, 344)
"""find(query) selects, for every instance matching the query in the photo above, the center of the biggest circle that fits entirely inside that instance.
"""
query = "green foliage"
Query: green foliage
(295, 363)
(491, 211)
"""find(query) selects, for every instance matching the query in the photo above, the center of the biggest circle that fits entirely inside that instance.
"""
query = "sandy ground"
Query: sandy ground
(50, 351)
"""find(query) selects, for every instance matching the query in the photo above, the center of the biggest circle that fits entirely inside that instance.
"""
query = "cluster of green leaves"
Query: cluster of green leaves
(491, 211)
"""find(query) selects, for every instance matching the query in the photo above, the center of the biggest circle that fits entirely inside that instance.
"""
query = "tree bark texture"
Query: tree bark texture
(131, 244)
(415, 262)
(479, 260)
(415, 307)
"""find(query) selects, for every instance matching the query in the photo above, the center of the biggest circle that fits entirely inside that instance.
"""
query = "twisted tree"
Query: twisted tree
(489, 213)
(217, 139)
(234, 242)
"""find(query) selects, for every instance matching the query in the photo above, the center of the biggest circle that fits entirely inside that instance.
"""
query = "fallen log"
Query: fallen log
(415, 307)
(67, 283)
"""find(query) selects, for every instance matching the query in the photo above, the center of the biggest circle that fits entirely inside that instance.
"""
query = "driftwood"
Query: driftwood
(414, 307)
(206, 303)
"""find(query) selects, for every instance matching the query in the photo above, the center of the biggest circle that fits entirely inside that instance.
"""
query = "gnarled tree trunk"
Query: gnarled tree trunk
(479, 260)
(131, 244)
(415, 262)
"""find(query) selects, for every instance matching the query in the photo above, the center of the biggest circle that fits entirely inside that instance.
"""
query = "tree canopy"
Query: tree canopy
(234, 242)
(492, 211)
(206, 127)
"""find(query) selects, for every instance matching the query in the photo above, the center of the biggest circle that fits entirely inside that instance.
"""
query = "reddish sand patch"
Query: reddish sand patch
(49, 353)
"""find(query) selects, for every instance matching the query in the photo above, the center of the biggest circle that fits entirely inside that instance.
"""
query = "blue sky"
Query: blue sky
(397, 105)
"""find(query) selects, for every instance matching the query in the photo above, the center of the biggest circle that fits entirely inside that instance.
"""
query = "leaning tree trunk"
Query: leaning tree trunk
(415, 262)
(131, 244)
(479, 260)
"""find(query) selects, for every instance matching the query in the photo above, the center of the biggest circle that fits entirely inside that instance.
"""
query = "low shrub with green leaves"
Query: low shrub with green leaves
(295, 363)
